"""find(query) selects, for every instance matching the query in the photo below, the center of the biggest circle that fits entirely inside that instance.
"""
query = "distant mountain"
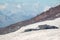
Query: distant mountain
(51, 14)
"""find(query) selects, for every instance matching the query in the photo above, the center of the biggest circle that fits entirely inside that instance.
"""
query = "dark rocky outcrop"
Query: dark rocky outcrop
(51, 14)
(42, 27)
(28, 30)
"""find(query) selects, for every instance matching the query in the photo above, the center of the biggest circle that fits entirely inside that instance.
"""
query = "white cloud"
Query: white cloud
(18, 6)
(47, 8)
(3, 6)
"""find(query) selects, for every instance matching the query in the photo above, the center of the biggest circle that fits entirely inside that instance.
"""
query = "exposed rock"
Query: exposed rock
(28, 30)
(42, 27)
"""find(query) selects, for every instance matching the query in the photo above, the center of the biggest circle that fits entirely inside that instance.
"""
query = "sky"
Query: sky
(13, 11)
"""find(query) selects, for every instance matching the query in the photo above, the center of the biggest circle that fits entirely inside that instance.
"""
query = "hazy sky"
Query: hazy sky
(12, 11)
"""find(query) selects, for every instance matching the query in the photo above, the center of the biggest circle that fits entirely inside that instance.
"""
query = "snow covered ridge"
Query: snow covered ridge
(50, 34)
(55, 22)
(51, 14)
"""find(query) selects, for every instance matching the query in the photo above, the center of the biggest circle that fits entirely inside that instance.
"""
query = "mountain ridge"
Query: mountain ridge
(51, 14)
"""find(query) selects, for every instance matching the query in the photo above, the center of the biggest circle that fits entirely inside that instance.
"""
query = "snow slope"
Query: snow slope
(50, 34)
(55, 22)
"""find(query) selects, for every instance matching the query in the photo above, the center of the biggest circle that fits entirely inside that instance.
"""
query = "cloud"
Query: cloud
(47, 8)
(18, 6)
(2, 7)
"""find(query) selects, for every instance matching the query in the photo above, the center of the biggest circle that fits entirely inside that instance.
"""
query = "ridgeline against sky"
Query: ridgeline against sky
(13, 11)
(50, 14)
